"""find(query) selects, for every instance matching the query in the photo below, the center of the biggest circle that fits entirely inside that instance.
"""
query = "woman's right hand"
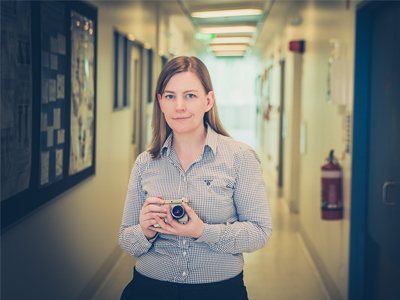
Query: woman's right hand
(148, 213)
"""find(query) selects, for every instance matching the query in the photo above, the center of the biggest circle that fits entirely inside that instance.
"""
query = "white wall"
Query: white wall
(322, 21)
(55, 252)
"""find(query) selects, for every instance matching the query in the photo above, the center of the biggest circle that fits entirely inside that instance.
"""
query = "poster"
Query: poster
(82, 93)
(16, 97)
(53, 106)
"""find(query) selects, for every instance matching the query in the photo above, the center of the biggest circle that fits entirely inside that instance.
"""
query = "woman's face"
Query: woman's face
(184, 103)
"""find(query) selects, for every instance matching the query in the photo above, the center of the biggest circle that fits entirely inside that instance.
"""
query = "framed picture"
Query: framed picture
(56, 128)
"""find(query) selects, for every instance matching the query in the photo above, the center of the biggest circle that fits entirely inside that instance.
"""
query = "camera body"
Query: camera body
(177, 210)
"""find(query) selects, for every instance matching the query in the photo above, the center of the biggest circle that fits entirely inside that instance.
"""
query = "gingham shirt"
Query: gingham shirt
(225, 189)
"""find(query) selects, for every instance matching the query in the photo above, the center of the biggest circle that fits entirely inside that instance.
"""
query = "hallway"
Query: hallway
(283, 270)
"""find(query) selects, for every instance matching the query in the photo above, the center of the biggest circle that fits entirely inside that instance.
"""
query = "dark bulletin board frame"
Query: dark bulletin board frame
(15, 208)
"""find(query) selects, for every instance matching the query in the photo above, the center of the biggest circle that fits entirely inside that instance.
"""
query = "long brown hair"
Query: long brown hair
(160, 127)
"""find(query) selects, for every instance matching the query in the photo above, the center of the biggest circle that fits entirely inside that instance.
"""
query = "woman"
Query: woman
(191, 156)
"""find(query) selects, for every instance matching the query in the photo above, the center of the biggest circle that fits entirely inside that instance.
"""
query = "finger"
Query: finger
(160, 215)
(190, 212)
(161, 222)
(149, 223)
(155, 208)
(153, 200)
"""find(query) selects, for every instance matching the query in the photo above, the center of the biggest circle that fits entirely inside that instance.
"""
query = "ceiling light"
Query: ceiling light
(229, 53)
(227, 13)
(229, 47)
(231, 40)
(230, 29)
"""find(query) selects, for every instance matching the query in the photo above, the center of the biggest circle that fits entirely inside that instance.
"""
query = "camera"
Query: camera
(177, 211)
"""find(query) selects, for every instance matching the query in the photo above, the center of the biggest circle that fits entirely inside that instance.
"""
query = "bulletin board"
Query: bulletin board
(48, 101)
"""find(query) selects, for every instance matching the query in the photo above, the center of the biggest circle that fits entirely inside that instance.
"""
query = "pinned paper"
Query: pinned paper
(60, 136)
(45, 91)
(59, 162)
(56, 118)
(43, 122)
(44, 168)
(61, 44)
(54, 61)
(52, 90)
(60, 86)
(50, 136)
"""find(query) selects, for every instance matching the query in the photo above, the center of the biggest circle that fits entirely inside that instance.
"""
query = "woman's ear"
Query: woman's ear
(210, 100)
(159, 101)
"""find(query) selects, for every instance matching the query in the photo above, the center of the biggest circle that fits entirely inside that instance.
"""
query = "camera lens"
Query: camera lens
(177, 211)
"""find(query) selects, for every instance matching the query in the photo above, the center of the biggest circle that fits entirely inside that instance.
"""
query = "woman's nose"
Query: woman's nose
(180, 104)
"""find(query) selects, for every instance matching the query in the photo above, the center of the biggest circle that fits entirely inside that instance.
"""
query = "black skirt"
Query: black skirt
(145, 288)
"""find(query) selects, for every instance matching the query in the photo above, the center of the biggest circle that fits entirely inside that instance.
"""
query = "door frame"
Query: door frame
(361, 119)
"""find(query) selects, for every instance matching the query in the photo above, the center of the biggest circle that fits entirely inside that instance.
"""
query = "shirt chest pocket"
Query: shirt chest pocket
(221, 189)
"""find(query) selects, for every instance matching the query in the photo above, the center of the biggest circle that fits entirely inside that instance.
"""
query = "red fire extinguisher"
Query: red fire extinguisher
(331, 190)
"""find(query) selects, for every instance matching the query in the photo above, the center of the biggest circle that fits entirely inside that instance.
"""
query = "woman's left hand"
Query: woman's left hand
(193, 228)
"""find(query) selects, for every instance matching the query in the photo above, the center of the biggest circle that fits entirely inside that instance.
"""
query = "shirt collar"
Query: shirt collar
(211, 141)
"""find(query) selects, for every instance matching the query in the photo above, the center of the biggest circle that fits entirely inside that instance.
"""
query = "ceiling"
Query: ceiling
(228, 28)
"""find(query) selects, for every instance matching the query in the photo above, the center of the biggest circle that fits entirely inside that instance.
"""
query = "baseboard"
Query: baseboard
(330, 285)
(93, 286)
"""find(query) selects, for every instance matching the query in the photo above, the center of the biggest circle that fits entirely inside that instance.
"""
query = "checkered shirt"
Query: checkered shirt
(225, 189)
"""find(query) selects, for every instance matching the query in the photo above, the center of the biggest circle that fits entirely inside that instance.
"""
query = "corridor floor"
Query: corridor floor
(283, 270)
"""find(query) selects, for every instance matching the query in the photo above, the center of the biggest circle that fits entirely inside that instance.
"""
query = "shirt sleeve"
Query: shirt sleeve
(131, 237)
(254, 226)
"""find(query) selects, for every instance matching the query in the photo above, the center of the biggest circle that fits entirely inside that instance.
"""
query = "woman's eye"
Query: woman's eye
(169, 97)
(190, 96)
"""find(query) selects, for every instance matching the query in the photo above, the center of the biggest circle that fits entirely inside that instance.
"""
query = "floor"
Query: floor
(283, 270)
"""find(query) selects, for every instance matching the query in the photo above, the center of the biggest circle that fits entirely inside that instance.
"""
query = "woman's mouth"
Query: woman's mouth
(181, 118)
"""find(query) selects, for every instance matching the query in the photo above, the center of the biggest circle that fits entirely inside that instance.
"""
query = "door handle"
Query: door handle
(384, 193)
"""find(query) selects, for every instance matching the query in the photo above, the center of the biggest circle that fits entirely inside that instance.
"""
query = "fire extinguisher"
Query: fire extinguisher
(331, 190)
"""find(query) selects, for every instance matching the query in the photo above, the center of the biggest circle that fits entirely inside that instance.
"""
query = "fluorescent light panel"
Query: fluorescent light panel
(231, 29)
(229, 53)
(229, 47)
(227, 13)
(231, 40)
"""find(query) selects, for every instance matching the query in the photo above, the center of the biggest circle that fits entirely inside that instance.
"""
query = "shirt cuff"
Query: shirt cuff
(143, 239)
(153, 238)
(211, 234)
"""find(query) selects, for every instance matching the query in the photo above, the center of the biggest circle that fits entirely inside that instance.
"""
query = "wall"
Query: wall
(322, 21)
(56, 252)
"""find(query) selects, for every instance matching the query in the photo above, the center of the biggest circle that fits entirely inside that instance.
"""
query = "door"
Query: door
(382, 267)
(135, 100)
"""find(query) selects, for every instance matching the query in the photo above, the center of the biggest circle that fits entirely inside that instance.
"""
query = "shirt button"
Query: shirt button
(184, 253)
(184, 273)
(184, 242)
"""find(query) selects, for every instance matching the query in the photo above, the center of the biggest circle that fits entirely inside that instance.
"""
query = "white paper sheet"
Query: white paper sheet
(52, 89)
(60, 86)
(54, 61)
(43, 122)
(59, 162)
(50, 136)
(45, 59)
(44, 174)
(56, 118)
(61, 44)
(45, 91)
(60, 136)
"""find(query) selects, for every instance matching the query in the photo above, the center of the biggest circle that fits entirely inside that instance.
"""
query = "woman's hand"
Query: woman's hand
(193, 228)
(150, 214)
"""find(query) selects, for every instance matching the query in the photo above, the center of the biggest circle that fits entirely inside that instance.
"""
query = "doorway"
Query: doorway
(375, 213)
